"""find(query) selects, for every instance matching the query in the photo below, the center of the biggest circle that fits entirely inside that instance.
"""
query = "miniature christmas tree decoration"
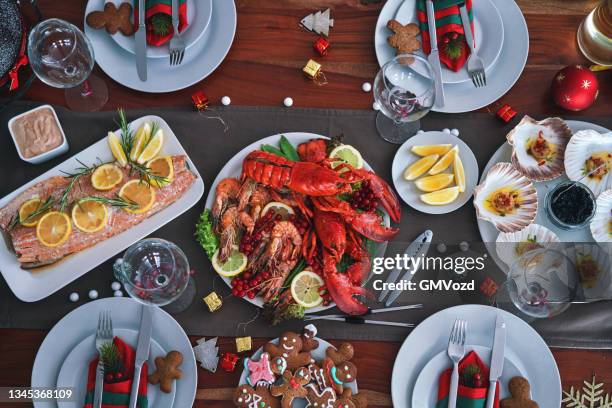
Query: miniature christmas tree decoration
(206, 352)
(319, 22)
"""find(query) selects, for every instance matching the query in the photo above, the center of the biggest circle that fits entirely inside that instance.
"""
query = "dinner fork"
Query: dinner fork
(177, 45)
(104, 335)
(456, 351)
(475, 66)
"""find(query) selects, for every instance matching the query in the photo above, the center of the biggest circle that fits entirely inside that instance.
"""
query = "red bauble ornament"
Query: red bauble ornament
(575, 88)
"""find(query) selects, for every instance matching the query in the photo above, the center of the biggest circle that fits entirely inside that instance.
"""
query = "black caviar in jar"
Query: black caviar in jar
(573, 205)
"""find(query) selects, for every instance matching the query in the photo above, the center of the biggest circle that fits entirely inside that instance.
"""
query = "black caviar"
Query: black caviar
(573, 206)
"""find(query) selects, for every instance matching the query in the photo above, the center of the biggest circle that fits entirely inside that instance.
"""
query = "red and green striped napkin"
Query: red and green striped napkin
(467, 397)
(161, 7)
(451, 40)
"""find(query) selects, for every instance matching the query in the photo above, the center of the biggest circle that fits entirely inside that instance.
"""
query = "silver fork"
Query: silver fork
(104, 335)
(475, 66)
(177, 45)
(456, 352)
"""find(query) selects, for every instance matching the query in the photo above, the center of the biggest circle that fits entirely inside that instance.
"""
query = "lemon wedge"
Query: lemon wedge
(420, 166)
(434, 183)
(152, 147)
(441, 197)
(140, 140)
(161, 167)
(305, 289)
(444, 162)
(28, 208)
(279, 208)
(140, 193)
(106, 177)
(428, 150)
(53, 229)
(89, 216)
(235, 264)
(348, 154)
(114, 142)
(459, 173)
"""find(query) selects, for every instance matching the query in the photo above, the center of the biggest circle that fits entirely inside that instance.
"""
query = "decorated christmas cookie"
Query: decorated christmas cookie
(290, 347)
(260, 372)
(292, 387)
(318, 377)
(337, 368)
(316, 398)
(348, 400)
(278, 365)
(246, 396)
(309, 342)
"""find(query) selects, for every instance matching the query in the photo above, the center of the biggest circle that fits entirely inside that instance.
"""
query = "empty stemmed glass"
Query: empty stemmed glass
(62, 56)
(404, 92)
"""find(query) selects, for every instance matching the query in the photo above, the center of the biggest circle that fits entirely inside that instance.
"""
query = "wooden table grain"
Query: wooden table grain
(264, 66)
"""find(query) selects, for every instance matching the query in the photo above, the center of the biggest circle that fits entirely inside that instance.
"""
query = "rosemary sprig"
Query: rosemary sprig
(146, 174)
(113, 202)
(127, 136)
(83, 170)
(42, 208)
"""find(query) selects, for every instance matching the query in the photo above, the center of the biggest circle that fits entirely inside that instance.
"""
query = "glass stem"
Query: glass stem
(86, 90)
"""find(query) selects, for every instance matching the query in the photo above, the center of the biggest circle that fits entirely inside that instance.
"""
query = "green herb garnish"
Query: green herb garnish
(205, 235)
(42, 208)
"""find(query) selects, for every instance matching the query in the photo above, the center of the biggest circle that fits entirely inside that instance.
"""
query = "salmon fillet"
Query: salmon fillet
(31, 253)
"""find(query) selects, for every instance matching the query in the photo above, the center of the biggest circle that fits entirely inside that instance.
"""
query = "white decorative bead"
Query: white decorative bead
(288, 102)
(118, 293)
(446, 130)
(366, 87)
(74, 297)
(441, 247)
(455, 132)
(464, 246)
(226, 100)
(420, 131)
(115, 285)
(375, 106)
(93, 294)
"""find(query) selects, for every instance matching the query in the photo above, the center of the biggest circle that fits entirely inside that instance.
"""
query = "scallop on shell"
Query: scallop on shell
(601, 225)
(504, 185)
(592, 264)
(510, 246)
(552, 134)
(586, 151)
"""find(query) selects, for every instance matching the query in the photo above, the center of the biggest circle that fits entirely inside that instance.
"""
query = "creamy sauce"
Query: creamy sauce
(37, 132)
(503, 201)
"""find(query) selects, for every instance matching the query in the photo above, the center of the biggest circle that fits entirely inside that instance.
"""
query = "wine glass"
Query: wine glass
(404, 91)
(156, 272)
(62, 56)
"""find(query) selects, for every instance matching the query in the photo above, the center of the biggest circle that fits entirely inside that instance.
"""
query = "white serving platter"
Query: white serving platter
(36, 284)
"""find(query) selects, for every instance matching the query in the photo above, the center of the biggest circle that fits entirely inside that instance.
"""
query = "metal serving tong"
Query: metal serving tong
(361, 320)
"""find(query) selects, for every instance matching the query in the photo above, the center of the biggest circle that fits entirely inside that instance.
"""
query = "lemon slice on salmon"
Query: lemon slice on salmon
(28, 208)
(434, 183)
(139, 192)
(140, 140)
(152, 148)
(305, 289)
(161, 167)
(420, 166)
(441, 197)
(106, 177)
(445, 161)
(236, 263)
(53, 229)
(428, 150)
(89, 216)
(114, 142)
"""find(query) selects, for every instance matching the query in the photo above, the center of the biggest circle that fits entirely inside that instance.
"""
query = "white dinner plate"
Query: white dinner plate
(200, 60)
(488, 35)
(489, 233)
(125, 312)
(317, 354)
(524, 347)
(426, 388)
(73, 373)
(198, 19)
(31, 286)
(233, 168)
(464, 97)
(409, 192)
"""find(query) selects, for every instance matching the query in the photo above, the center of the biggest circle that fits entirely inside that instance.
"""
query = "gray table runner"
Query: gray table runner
(210, 148)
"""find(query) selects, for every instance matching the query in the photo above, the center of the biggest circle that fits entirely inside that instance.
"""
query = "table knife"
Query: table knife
(497, 359)
(142, 350)
(419, 247)
(434, 56)
(140, 39)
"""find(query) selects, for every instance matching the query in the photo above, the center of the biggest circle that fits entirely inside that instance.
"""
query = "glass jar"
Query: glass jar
(563, 189)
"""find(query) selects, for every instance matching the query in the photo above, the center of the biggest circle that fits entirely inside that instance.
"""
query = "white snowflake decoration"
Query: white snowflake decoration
(590, 396)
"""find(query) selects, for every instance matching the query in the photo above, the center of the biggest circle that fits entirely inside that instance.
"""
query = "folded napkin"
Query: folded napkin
(117, 394)
(158, 17)
(467, 397)
(451, 40)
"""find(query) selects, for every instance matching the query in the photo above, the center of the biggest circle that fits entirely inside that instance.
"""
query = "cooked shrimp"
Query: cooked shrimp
(226, 192)
(228, 226)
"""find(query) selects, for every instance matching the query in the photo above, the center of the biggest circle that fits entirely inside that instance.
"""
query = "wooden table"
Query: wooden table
(264, 66)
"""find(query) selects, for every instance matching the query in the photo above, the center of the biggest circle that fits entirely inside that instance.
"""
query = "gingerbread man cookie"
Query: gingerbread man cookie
(317, 376)
(290, 347)
(293, 386)
(521, 396)
(167, 370)
(246, 396)
(112, 19)
(316, 398)
(337, 368)
(260, 372)
(348, 400)
(278, 365)
(403, 38)
(309, 342)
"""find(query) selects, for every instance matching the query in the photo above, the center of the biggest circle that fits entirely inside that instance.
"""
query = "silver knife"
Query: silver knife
(497, 358)
(142, 350)
(140, 39)
(434, 56)
(416, 249)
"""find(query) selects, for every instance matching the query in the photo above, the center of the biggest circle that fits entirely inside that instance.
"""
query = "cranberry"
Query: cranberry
(235, 292)
(251, 295)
